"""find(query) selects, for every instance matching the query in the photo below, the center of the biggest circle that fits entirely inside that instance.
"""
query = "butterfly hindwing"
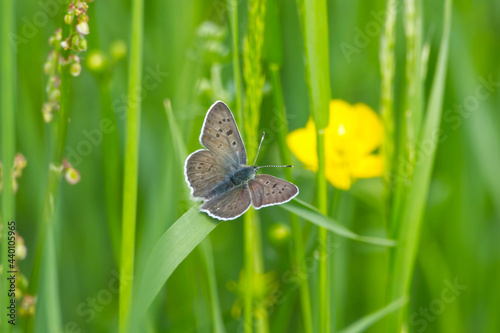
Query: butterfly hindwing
(221, 136)
(229, 205)
(204, 171)
(267, 190)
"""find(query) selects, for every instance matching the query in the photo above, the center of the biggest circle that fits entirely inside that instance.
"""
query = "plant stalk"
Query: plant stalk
(286, 158)
(8, 96)
(129, 208)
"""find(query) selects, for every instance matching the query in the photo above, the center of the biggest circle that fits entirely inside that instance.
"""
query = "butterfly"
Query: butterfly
(219, 175)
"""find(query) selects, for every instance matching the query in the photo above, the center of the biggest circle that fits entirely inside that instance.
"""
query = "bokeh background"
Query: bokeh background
(188, 45)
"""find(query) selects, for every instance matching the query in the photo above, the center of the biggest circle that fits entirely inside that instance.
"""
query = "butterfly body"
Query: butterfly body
(239, 178)
(220, 176)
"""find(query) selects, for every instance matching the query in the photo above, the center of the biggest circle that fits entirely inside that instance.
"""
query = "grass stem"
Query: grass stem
(324, 267)
(317, 51)
(8, 96)
(254, 80)
(233, 11)
(286, 158)
(409, 235)
(129, 208)
(249, 269)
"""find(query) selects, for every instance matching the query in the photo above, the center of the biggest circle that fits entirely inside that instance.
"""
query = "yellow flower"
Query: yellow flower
(353, 134)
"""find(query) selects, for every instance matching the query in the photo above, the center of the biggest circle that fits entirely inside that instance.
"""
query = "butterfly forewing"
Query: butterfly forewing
(204, 171)
(220, 135)
(267, 190)
(229, 205)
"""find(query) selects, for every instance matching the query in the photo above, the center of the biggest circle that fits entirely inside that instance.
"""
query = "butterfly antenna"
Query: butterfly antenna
(258, 150)
(275, 166)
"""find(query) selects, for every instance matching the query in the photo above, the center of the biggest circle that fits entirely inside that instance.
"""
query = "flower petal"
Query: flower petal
(302, 143)
(368, 129)
(339, 176)
(368, 166)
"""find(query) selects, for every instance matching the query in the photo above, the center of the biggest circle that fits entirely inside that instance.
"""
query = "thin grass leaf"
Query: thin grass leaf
(111, 168)
(50, 320)
(405, 254)
(206, 246)
(208, 258)
(254, 79)
(8, 94)
(286, 158)
(366, 322)
(131, 168)
(387, 69)
(170, 250)
(59, 130)
(175, 132)
(235, 40)
(480, 128)
(317, 51)
(313, 215)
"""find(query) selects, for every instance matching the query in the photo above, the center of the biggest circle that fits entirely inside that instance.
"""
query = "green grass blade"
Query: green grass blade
(317, 51)
(254, 80)
(206, 246)
(405, 254)
(233, 18)
(112, 168)
(49, 319)
(480, 128)
(130, 180)
(45, 260)
(8, 94)
(175, 132)
(286, 158)
(316, 30)
(170, 250)
(366, 322)
(387, 68)
(208, 258)
(313, 215)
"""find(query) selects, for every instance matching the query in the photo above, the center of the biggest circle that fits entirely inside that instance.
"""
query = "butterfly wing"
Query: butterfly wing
(229, 205)
(203, 172)
(267, 190)
(221, 136)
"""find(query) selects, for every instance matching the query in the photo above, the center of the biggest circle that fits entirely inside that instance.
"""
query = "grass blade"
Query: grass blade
(208, 258)
(317, 51)
(286, 158)
(364, 323)
(131, 165)
(49, 318)
(206, 246)
(8, 93)
(170, 250)
(387, 68)
(254, 79)
(233, 18)
(313, 215)
(405, 254)
(111, 168)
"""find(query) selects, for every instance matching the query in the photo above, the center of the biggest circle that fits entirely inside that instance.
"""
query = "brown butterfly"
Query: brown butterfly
(219, 175)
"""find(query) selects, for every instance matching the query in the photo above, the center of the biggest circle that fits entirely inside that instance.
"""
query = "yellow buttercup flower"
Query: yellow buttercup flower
(353, 134)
